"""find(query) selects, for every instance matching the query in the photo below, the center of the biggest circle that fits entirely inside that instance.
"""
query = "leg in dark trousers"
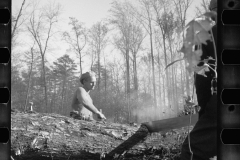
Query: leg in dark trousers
(203, 137)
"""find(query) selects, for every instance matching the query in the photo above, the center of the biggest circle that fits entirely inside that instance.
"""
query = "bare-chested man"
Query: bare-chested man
(82, 104)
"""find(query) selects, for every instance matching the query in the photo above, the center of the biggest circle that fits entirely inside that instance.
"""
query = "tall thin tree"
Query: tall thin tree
(121, 20)
(98, 40)
(29, 74)
(145, 17)
(41, 29)
(181, 7)
(77, 39)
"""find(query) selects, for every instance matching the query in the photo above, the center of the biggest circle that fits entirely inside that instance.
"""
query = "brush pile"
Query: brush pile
(51, 136)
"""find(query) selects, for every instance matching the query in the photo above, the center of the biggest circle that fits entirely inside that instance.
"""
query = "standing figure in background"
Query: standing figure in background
(82, 104)
(31, 106)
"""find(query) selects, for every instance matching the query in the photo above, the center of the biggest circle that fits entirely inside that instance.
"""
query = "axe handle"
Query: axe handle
(171, 123)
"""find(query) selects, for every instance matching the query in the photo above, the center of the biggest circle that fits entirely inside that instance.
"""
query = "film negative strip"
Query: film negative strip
(5, 77)
(228, 79)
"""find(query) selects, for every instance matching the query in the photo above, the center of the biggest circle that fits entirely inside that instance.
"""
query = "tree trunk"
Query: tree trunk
(80, 64)
(164, 93)
(149, 76)
(171, 82)
(182, 81)
(153, 69)
(45, 85)
(15, 27)
(176, 90)
(167, 73)
(181, 11)
(173, 86)
(54, 97)
(105, 80)
(28, 88)
(62, 97)
(99, 70)
(135, 75)
(159, 78)
(128, 84)
(29, 82)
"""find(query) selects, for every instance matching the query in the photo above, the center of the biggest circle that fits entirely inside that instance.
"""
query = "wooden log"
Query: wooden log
(140, 135)
(171, 123)
(52, 136)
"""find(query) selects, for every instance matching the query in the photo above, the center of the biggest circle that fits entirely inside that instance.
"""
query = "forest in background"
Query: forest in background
(132, 85)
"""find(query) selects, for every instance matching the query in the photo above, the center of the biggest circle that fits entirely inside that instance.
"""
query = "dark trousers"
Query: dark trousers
(203, 137)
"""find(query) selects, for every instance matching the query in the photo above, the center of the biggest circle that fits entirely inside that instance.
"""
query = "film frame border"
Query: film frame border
(222, 4)
(5, 78)
(228, 114)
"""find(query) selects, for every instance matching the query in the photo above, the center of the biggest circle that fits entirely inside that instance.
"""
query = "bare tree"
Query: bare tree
(145, 17)
(158, 45)
(146, 59)
(121, 19)
(181, 7)
(92, 53)
(171, 25)
(30, 57)
(203, 7)
(77, 38)
(98, 40)
(137, 37)
(17, 22)
(41, 29)
(161, 19)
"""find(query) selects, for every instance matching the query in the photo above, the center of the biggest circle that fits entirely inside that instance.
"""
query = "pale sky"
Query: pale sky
(86, 11)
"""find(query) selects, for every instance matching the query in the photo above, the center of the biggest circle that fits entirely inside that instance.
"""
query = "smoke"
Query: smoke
(149, 113)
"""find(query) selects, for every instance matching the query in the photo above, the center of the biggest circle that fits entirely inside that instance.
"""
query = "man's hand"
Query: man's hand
(100, 115)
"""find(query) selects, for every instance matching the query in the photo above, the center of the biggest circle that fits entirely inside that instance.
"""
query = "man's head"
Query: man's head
(88, 80)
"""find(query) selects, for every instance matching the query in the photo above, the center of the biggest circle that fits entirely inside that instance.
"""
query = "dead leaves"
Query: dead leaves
(38, 142)
(117, 134)
(42, 132)
(61, 139)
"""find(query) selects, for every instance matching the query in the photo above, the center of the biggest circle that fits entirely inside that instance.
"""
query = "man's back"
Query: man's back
(77, 103)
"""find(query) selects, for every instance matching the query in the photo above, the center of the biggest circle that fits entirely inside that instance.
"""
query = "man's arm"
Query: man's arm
(86, 100)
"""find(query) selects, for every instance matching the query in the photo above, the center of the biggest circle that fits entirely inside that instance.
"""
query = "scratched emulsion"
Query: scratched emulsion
(230, 116)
